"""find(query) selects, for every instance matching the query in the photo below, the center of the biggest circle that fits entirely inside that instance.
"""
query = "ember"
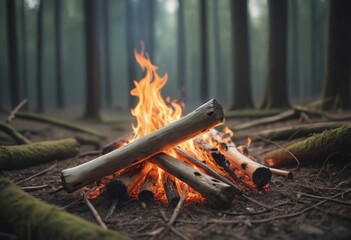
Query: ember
(177, 149)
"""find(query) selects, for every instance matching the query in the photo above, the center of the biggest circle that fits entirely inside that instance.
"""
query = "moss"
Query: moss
(316, 147)
(29, 218)
(17, 157)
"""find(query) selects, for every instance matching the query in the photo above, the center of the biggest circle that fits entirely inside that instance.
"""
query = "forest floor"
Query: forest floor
(299, 209)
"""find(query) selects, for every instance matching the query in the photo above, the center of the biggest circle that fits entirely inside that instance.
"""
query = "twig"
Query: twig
(173, 229)
(256, 213)
(90, 153)
(9, 130)
(320, 170)
(112, 209)
(72, 203)
(259, 203)
(59, 189)
(37, 174)
(93, 210)
(15, 110)
(322, 197)
(34, 188)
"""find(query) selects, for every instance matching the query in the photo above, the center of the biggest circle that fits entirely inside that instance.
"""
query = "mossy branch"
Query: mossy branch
(55, 122)
(316, 147)
(17, 157)
(9, 130)
(28, 218)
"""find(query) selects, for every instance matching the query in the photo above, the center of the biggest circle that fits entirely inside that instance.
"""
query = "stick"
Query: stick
(119, 142)
(281, 172)
(15, 110)
(112, 209)
(258, 173)
(18, 157)
(217, 193)
(171, 189)
(9, 130)
(34, 188)
(148, 189)
(30, 218)
(37, 174)
(205, 117)
(94, 211)
(56, 122)
(317, 147)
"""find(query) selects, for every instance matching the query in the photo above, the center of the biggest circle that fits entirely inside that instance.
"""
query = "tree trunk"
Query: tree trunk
(204, 88)
(295, 82)
(218, 54)
(24, 49)
(130, 40)
(13, 52)
(336, 92)
(276, 95)
(151, 32)
(106, 25)
(92, 61)
(59, 88)
(181, 50)
(40, 47)
(241, 70)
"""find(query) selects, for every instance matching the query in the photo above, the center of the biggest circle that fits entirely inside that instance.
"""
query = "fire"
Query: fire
(249, 142)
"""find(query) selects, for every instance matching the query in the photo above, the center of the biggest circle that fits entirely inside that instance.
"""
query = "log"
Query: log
(22, 156)
(148, 189)
(9, 130)
(243, 150)
(205, 117)
(120, 187)
(315, 148)
(218, 194)
(258, 173)
(29, 218)
(119, 142)
(171, 189)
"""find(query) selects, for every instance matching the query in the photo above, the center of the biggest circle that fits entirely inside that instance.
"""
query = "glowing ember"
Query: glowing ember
(248, 142)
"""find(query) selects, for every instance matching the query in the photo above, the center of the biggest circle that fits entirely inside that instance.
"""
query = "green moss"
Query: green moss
(29, 218)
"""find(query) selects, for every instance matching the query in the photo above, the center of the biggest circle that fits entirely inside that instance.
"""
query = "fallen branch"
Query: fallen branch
(94, 211)
(18, 157)
(217, 193)
(29, 218)
(205, 117)
(317, 147)
(15, 110)
(9, 130)
(36, 175)
(55, 122)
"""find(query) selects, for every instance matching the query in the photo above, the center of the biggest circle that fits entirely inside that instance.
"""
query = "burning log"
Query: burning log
(171, 189)
(258, 173)
(203, 118)
(217, 193)
(122, 185)
(147, 191)
(119, 142)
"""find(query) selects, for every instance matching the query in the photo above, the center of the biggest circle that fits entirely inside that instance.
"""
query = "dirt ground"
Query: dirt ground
(300, 208)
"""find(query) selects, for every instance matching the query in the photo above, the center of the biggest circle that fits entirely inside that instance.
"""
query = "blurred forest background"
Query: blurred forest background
(52, 49)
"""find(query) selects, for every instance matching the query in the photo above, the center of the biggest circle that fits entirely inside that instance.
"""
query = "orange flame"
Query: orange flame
(249, 142)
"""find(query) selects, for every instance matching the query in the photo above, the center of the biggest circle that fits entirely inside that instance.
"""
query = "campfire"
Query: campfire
(167, 152)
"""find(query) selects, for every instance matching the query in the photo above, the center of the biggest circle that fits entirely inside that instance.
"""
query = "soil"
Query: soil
(298, 209)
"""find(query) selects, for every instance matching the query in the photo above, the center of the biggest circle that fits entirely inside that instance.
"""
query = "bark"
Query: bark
(217, 193)
(56, 122)
(92, 95)
(315, 148)
(13, 52)
(276, 95)
(119, 142)
(148, 189)
(40, 48)
(181, 50)
(336, 92)
(171, 189)
(205, 117)
(29, 218)
(106, 25)
(18, 157)
(9, 130)
(204, 84)
(59, 84)
(241, 70)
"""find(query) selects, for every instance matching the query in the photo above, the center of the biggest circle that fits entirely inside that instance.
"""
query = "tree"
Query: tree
(203, 52)
(59, 87)
(92, 107)
(13, 52)
(241, 87)
(151, 31)
(24, 48)
(336, 93)
(181, 49)
(106, 26)
(276, 94)
(40, 103)
(295, 82)
(217, 45)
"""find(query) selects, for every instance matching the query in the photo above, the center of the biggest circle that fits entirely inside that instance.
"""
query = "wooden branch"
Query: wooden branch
(148, 189)
(18, 157)
(29, 218)
(122, 185)
(171, 189)
(9, 130)
(205, 117)
(119, 142)
(281, 172)
(217, 193)
(94, 211)
(56, 122)
(317, 147)
(284, 133)
(15, 110)
(258, 173)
